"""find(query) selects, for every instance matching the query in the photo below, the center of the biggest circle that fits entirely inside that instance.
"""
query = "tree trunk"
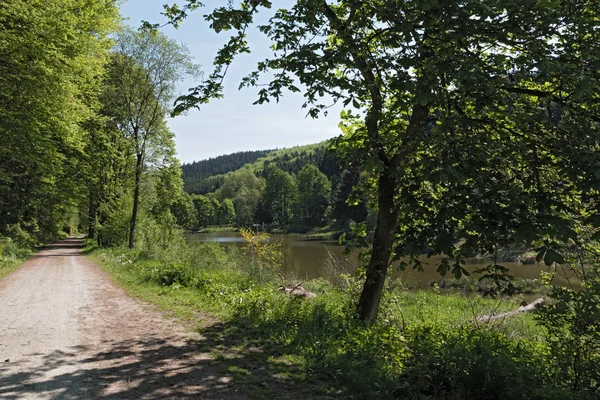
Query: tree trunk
(92, 216)
(534, 306)
(136, 200)
(382, 248)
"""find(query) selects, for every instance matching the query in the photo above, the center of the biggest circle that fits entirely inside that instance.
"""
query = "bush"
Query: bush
(473, 363)
(573, 325)
(10, 251)
(22, 238)
(333, 344)
(169, 274)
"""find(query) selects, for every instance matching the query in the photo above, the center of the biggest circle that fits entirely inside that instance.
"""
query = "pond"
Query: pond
(308, 259)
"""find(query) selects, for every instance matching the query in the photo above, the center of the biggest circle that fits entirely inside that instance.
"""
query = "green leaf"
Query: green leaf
(552, 256)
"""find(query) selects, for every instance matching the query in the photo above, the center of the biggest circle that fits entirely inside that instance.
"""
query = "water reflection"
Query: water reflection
(308, 259)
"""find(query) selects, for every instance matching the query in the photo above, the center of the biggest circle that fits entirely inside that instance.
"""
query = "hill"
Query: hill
(206, 176)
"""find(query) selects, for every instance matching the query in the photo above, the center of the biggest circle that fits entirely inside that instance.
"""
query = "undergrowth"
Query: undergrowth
(11, 255)
(424, 345)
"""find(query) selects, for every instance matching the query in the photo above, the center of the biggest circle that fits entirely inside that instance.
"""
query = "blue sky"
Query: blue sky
(233, 123)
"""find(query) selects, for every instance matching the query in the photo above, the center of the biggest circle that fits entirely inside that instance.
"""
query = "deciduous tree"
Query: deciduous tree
(280, 195)
(52, 56)
(466, 114)
(314, 191)
(143, 75)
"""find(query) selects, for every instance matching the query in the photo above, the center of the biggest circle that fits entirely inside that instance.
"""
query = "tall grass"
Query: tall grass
(424, 344)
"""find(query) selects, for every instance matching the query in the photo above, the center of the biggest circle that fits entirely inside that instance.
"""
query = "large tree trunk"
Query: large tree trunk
(381, 251)
(136, 201)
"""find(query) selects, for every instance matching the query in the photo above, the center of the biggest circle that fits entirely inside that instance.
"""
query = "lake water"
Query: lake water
(307, 259)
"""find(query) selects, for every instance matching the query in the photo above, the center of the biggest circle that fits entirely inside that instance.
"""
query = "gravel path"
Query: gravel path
(66, 332)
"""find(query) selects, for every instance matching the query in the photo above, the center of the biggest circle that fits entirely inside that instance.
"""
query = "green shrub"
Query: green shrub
(324, 333)
(20, 237)
(10, 251)
(169, 274)
(573, 324)
(473, 363)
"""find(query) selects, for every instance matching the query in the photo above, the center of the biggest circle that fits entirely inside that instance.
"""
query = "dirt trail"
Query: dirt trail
(66, 332)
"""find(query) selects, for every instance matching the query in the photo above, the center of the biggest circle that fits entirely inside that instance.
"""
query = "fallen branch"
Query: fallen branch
(523, 309)
(298, 291)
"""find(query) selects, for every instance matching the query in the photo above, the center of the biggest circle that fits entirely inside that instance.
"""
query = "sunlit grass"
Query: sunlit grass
(210, 284)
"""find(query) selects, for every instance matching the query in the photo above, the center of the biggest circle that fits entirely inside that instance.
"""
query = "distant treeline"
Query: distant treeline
(303, 186)
(196, 173)
(206, 176)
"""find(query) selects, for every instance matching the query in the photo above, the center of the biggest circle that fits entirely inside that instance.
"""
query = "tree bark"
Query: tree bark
(534, 306)
(381, 251)
(136, 200)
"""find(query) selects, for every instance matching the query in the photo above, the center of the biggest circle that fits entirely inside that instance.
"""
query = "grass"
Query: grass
(11, 256)
(8, 267)
(322, 233)
(316, 346)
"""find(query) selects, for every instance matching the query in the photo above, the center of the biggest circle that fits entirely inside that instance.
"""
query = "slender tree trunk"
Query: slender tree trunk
(136, 200)
(92, 215)
(382, 248)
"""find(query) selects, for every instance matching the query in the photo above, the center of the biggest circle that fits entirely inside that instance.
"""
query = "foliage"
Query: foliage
(466, 115)
(422, 346)
(244, 188)
(157, 235)
(314, 191)
(196, 173)
(205, 210)
(141, 84)
(265, 254)
(226, 212)
(184, 211)
(203, 177)
(236, 182)
(171, 274)
(246, 185)
(52, 56)
(113, 226)
(11, 255)
(573, 325)
(280, 195)
(474, 363)
(345, 206)
(10, 251)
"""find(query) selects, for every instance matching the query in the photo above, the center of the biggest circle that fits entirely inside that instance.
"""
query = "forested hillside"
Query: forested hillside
(196, 173)
(303, 186)
(206, 176)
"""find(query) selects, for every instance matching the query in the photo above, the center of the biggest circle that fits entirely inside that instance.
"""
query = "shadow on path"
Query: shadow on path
(69, 243)
(62, 248)
(157, 369)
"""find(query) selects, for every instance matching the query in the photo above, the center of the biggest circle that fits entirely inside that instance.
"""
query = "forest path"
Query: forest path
(67, 332)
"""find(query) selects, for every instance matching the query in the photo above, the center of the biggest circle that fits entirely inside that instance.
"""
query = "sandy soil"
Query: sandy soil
(66, 332)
